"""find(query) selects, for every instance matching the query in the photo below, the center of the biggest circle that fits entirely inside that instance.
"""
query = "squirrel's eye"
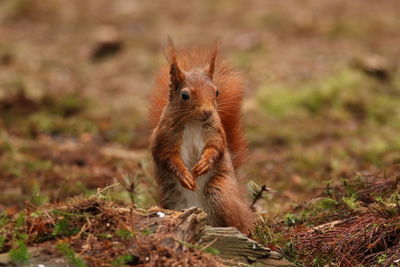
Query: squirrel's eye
(217, 93)
(185, 95)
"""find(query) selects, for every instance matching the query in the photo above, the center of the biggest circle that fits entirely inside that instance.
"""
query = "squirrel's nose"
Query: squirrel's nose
(207, 114)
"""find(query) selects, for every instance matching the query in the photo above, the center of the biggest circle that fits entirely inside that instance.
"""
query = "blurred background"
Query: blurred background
(322, 92)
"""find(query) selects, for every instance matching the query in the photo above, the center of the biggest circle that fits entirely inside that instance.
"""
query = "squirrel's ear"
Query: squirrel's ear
(176, 74)
(211, 68)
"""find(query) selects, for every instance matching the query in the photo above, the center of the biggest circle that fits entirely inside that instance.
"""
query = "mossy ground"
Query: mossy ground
(321, 107)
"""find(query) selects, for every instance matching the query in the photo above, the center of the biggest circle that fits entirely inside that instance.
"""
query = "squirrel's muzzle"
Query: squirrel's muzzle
(206, 114)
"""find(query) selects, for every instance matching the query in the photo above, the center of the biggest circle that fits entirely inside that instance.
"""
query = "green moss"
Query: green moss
(326, 204)
(349, 28)
(321, 261)
(265, 234)
(37, 198)
(311, 98)
(20, 253)
(64, 228)
(292, 219)
(147, 231)
(2, 242)
(351, 202)
(70, 255)
(20, 220)
(3, 219)
(345, 94)
(124, 234)
(38, 165)
(381, 258)
(126, 259)
(278, 101)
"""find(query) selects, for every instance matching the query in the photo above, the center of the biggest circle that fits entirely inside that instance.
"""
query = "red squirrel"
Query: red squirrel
(197, 142)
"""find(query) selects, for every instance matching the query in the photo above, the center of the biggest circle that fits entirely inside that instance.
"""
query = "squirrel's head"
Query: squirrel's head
(193, 93)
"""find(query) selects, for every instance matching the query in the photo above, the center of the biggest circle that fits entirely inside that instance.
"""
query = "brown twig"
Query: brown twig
(258, 196)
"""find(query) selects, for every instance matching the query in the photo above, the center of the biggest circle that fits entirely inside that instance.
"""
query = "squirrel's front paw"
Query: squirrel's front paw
(188, 181)
(201, 167)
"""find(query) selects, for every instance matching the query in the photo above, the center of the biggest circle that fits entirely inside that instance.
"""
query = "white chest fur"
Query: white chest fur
(190, 152)
(192, 144)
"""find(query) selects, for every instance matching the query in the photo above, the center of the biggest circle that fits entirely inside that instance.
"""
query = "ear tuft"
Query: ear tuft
(176, 75)
(211, 68)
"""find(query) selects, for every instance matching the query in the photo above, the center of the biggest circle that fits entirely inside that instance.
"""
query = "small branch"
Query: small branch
(258, 196)
(101, 190)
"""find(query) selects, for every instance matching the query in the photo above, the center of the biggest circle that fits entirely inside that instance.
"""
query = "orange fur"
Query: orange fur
(230, 87)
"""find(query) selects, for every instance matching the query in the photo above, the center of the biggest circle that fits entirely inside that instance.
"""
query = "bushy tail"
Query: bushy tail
(229, 101)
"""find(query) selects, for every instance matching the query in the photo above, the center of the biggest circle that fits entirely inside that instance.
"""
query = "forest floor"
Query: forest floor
(321, 114)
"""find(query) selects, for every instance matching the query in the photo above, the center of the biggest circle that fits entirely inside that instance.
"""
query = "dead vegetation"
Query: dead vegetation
(99, 233)
(367, 239)
(95, 232)
(352, 224)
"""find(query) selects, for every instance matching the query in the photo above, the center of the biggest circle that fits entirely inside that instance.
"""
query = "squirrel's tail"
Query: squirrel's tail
(229, 101)
(229, 104)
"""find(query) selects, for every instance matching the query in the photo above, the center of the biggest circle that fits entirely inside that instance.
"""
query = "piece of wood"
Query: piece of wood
(234, 248)
(237, 249)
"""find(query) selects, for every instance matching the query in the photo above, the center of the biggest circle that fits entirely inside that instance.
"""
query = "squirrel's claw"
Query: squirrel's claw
(188, 182)
(201, 168)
